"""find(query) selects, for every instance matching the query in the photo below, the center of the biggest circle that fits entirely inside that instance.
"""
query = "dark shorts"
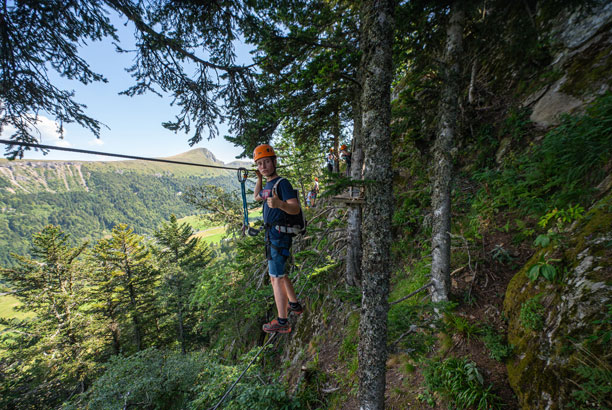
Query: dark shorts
(278, 253)
(276, 263)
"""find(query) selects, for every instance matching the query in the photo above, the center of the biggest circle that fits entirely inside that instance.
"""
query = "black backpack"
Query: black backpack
(290, 224)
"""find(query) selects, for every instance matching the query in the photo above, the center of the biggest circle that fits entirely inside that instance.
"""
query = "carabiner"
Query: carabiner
(243, 174)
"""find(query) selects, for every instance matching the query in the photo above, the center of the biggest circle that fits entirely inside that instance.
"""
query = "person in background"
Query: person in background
(315, 191)
(277, 201)
(346, 156)
(330, 160)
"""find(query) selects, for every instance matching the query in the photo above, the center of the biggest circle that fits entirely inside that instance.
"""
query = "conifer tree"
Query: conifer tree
(50, 353)
(441, 191)
(183, 257)
(377, 20)
(40, 39)
(134, 280)
(104, 294)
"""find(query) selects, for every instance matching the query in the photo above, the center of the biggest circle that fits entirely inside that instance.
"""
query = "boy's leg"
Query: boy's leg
(289, 291)
(280, 295)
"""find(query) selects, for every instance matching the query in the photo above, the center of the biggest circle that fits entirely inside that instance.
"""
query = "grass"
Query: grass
(7, 311)
(7, 304)
(210, 235)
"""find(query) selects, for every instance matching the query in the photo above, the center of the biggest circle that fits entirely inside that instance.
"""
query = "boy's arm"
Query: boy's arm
(290, 206)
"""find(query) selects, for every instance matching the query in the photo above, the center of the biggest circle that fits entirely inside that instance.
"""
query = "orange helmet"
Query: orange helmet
(316, 179)
(262, 151)
(342, 146)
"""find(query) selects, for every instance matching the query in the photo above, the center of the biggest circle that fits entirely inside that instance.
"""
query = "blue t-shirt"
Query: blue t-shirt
(271, 216)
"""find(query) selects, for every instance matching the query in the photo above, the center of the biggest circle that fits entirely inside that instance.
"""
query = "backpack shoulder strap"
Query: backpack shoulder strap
(276, 184)
(274, 188)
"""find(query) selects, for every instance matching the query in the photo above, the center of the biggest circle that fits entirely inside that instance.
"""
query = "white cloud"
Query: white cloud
(47, 132)
(96, 141)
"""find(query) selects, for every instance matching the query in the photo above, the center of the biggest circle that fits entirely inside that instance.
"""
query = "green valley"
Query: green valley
(87, 199)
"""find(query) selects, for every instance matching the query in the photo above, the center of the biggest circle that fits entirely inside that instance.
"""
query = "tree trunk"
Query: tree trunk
(336, 133)
(377, 26)
(181, 328)
(441, 201)
(354, 251)
(134, 307)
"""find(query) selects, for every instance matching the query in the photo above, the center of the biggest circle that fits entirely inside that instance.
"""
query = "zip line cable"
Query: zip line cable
(108, 154)
(243, 372)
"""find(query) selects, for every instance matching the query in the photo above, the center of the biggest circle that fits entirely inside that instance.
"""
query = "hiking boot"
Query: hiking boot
(296, 308)
(275, 327)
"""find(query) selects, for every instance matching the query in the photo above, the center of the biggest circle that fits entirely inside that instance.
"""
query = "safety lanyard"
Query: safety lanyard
(242, 177)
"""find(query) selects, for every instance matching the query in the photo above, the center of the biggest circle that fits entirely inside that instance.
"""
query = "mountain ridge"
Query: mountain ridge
(30, 176)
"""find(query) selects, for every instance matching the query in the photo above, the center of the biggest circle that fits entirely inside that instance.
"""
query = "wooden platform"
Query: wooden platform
(349, 200)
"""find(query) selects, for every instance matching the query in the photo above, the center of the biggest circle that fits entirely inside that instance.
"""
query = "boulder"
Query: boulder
(575, 316)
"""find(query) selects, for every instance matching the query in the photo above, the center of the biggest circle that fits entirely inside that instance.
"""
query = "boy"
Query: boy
(277, 242)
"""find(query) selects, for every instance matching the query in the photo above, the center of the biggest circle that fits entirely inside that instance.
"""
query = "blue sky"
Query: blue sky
(134, 122)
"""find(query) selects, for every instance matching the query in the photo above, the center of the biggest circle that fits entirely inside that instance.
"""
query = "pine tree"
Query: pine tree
(52, 352)
(181, 49)
(441, 191)
(378, 19)
(134, 279)
(182, 257)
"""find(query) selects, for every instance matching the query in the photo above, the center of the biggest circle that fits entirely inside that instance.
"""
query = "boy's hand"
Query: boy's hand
(258, 174)
(274, 201)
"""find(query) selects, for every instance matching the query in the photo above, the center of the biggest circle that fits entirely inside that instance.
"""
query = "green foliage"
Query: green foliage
(410, 323)
(252, 392)
(543, 268)
(561, 217)
(531, 315)
(348, 348)
(516, 125)
(501, 255)
(498, 349)
(222, 207)
(182, 258)
(133, 197)
(459, 381)
(558, 171)
(595, 388)
(461, 325)
(51, 350)
(51, 46)
(592, 376)
(151, 379)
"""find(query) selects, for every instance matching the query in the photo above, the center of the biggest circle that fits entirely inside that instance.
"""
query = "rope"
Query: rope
(108, 154)
(243, 372)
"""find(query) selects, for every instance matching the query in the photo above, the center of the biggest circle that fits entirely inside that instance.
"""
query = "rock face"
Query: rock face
(575, 313)
(583, 40)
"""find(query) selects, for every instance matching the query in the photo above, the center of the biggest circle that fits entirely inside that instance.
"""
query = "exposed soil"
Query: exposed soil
(485, 284)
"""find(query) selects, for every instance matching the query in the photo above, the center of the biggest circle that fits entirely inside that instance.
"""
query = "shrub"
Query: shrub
(531, 315)
(460, 382)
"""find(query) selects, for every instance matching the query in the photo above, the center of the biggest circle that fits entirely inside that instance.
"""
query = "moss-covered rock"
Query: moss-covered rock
(543, 372)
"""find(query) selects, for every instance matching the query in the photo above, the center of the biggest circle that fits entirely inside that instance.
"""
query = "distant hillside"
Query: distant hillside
(31, 176)
(88, 198)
